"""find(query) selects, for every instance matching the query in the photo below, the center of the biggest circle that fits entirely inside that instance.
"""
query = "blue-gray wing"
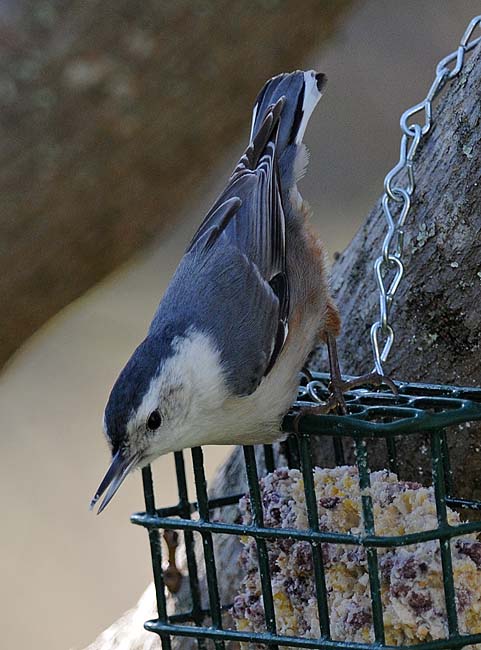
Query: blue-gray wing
(243, 237)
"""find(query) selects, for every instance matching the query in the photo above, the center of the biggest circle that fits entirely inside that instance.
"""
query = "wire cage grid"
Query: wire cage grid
(418, 408)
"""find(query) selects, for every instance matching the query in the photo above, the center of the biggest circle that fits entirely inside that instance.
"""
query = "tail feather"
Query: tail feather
(302, 91)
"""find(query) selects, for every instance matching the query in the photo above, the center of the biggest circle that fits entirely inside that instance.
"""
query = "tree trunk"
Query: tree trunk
(436, 314)
(111, 114)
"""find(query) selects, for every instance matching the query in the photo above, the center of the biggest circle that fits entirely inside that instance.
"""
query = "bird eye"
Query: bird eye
(154, 421)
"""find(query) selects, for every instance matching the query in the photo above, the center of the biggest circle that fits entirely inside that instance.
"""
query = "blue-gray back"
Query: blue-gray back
(232, 283)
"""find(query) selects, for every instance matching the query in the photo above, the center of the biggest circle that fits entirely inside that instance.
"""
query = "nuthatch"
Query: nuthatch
(248, 303)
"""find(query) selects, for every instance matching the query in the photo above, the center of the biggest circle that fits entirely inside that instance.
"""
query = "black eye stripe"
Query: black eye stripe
(154, 420)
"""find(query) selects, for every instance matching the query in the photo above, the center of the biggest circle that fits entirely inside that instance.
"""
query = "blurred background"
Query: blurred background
(120, 124)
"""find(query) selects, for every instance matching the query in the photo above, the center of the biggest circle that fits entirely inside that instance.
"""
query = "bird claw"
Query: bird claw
(318, 409)
(337, 388)
(371, 378)
(172, 575)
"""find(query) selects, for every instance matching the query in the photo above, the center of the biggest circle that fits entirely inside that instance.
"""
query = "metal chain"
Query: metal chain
(399, 186)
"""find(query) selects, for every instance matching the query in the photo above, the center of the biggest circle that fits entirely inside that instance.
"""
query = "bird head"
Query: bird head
(156, 402)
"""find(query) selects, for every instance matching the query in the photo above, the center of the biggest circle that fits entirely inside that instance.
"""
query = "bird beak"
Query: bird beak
(113, 479)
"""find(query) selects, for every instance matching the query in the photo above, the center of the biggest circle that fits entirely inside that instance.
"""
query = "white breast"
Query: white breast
(256, 418)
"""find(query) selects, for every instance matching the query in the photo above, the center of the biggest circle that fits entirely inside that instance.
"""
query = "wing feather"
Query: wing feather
(249, 217)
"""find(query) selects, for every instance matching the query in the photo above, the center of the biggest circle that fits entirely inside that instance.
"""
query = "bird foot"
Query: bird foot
(369, 379)
(172, 575)
(337, 388)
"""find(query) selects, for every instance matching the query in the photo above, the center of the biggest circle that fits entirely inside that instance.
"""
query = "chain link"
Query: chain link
(399, 186)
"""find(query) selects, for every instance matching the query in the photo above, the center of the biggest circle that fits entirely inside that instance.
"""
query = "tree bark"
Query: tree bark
(111, 114)
(436, 314)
